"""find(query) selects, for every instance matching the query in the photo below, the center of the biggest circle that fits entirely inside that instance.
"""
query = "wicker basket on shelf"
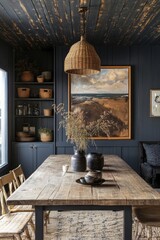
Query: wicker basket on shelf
(45, 93)
(23, 92)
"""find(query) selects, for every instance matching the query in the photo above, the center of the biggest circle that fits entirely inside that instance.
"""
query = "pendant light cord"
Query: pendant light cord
(82, 11)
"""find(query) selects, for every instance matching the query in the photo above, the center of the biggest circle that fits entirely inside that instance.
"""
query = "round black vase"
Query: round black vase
(95, 161)
(78, 161)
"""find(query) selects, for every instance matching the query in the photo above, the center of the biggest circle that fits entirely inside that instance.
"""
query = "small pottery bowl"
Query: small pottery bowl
(89, 179)
(47, 75)
(40, 79)
(96, 174)
(82, 180)
(47, 112)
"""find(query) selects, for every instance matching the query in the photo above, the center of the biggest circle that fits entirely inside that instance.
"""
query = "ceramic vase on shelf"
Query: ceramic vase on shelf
(78, 161)
(95, 161)
(27, 76)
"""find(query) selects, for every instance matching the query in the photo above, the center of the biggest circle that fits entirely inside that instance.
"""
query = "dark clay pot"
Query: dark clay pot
(78, 161)
(95, 161)
(27, 76)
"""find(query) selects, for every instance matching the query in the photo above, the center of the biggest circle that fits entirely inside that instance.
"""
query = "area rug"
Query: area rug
(88, 225)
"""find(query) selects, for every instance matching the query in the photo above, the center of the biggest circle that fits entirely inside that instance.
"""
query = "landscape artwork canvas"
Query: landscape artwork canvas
(106, 94)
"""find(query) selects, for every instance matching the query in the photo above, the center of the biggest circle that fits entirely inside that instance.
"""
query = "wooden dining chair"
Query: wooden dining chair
(19, 179)
(8, 186)
(12, 225)
(147, 217)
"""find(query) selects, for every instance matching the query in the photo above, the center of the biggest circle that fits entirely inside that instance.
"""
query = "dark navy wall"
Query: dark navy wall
(145, 63)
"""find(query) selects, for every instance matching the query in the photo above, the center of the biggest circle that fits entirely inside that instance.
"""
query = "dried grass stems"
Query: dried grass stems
(78, 130)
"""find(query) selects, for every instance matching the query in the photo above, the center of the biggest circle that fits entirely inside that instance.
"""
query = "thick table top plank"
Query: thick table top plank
(47, 186)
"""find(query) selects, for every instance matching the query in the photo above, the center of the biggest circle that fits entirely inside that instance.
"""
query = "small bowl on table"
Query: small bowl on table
(89, 179)
(95, 173)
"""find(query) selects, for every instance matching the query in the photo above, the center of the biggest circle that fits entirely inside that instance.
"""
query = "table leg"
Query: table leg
(38, 223)
(128, 223)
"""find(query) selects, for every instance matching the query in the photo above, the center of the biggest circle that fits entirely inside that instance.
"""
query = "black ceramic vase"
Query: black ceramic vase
(78, 161)
(95, 161)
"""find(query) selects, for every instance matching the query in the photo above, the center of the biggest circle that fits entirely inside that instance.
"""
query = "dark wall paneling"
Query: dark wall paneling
(154, 83)
(121, 56)
(155, 65)
(61, 86)
(148, 125)
(145, 63)
(131, 156)
(135, 95)
(110, 150)
(65, 150)
(106, 55)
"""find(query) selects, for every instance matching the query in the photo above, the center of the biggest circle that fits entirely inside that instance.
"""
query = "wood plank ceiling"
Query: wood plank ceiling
(47, 23)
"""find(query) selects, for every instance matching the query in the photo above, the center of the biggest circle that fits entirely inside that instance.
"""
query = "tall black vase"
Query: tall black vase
(78, 161)
(95, 161)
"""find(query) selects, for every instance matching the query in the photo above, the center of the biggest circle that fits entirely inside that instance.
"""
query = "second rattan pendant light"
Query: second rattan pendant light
(82, 58)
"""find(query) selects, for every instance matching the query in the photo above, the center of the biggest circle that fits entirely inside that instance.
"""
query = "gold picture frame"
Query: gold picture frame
(109, 92)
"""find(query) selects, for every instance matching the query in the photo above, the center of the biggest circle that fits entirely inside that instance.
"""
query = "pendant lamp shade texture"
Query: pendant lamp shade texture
(82, 59)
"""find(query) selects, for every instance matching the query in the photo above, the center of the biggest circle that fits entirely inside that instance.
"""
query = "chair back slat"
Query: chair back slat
(8, 184)
(7, 187)
(2, 205)
(18, 175)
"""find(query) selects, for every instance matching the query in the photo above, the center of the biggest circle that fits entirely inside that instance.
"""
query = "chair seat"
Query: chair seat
(148, 215)
(22, 208)
(149, 167)
(31, 209)
(14, 223)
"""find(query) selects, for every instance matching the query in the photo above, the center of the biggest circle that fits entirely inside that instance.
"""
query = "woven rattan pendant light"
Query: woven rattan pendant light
(82, 58)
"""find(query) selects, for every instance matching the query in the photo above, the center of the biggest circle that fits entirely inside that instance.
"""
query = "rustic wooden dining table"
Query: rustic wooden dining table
(48, 189)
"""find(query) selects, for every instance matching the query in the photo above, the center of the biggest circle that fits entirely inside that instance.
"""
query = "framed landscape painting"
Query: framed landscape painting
(105, 95)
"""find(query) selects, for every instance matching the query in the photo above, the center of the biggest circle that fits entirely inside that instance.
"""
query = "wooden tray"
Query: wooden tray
(26, 139)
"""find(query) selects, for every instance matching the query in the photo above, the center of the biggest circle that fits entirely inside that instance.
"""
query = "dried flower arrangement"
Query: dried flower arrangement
(26, 64)
(47, 131)
(78, 131)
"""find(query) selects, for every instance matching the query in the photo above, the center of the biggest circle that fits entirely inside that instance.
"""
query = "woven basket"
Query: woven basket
(45, 138)
(45, 93)
(23, 92)
(47, 112)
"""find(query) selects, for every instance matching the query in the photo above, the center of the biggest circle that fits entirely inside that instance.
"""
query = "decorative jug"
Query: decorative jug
(95, 161)
(78, 161)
